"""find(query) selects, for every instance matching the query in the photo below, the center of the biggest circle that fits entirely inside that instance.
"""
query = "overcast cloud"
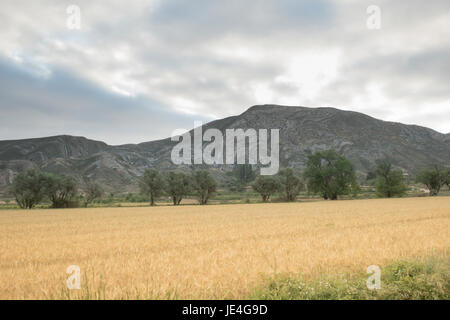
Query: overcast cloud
(137, 70)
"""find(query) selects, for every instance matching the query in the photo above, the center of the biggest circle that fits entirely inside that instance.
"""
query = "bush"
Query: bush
(131, 197)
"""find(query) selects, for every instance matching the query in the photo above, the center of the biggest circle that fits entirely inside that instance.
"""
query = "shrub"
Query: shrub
(403, 280)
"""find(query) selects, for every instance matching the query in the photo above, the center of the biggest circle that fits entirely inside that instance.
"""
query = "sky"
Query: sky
(135, 71)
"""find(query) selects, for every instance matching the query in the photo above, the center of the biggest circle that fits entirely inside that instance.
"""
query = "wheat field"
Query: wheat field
(208, 252)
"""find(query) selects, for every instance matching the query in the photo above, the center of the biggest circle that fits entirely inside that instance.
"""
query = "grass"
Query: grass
(211, 252)
(423, 279)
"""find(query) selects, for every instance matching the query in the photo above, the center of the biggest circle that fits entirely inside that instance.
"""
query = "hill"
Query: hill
(359, 137)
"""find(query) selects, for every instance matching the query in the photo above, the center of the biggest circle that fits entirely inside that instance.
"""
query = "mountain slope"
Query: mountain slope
(361, 138)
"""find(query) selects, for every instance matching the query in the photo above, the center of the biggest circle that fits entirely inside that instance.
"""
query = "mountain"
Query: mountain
(303, 131)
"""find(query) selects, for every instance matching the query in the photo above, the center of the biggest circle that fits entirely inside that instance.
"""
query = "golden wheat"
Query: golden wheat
(219, 251)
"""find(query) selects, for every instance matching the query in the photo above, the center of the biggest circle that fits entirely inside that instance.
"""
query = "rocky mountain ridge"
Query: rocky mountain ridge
(359, 137)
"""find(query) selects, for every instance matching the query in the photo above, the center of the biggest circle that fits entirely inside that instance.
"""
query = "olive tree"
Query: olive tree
(290, 184)
(61, 190)
(204, 185)
(92, 191)
(434, 179)
(389, 182)
(266, 186)
(178, 186)
(152, 184)
(28, 188)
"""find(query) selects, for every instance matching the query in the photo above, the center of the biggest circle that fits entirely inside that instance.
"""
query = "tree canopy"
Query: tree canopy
(290, 184)
(266, 186)
(92, 191)
(244, 173)
(61, 190)
(152, 184)
(389, 182)
(204, 185)
(28, 188)
(178, 186)
(434, 179)
(330, 174)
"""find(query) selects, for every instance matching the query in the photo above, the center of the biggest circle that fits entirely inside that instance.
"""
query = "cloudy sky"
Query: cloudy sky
(137, 70)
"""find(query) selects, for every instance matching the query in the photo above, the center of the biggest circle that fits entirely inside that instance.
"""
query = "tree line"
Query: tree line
(330, 175)
(178, 185)
(327, 174)
(32, 187)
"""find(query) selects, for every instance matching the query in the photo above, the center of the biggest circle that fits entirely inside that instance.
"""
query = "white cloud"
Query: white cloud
(212, 58)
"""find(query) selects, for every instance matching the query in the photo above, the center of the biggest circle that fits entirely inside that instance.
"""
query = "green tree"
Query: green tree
(447, 178)
(61, 190)
(28, 188)
(434, 179)
(204, 185)
(371, 175)
(266, 186)
(330, 174)
(92, 191)
(389, 182)
(290, 184)
(178, 186)
(152, 184)
(244, 173)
